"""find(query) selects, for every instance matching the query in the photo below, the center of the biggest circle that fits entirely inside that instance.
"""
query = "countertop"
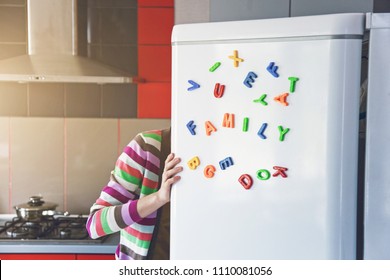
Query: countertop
(106, 246)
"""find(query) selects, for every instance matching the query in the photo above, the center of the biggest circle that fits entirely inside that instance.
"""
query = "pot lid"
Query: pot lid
(36, 204)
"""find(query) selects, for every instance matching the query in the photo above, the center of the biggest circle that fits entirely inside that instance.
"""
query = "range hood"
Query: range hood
(52, 49)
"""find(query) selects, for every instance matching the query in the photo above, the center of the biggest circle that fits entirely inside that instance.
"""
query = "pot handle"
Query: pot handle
(36, 200)
(52, 213)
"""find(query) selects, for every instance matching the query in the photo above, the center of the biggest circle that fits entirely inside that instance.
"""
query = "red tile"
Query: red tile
(155, 25)
(155, 3)
(154, 63)
(154, 100)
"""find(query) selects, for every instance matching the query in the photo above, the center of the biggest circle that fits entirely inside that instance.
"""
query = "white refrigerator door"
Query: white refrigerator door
(377, 176)
(265, 120)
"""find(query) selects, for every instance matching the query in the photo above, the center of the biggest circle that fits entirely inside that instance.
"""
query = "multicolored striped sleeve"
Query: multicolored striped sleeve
(116, 207)
(135, 175)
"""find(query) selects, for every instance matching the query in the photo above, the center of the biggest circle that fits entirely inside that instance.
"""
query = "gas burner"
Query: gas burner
(65, 233)
(26, 231)
(59, 229)
(31, 224)
(76, 224)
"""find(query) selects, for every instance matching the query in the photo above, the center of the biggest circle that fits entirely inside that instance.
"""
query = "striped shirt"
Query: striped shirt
(136, 174)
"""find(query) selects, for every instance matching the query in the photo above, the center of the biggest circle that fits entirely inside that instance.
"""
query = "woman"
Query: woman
(136, 199)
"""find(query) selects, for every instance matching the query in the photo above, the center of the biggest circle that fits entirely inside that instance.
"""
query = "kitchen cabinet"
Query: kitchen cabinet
(56, 248)
(95, 257)
(57, 257)
(37, 256)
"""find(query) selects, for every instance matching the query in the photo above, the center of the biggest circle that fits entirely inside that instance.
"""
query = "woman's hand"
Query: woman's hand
(150, 203)
(169, 177)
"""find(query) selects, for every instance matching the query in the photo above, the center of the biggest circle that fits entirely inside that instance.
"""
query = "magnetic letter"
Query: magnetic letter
(246, 181)
(263, 174)
(272, 68)
(209, 128)
(293, 81)
(228, 120)
(215, 66)
(283, 132)
(261, 131)
(280, 171)
(193, 163)
(261, 100)
(282, 99)
(236, 59)
(245, 124)
(193, 86)
(209, 171)
(219, 90)
(250, 78)
(191, 127)
(225, 163)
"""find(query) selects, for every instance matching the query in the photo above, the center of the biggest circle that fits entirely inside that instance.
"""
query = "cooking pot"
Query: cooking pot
(37, 209)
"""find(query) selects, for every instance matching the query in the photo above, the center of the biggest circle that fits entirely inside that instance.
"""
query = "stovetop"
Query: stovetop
(60, 229)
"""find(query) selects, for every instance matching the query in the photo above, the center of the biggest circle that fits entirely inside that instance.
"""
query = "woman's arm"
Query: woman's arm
(119, 205)
(148, 204)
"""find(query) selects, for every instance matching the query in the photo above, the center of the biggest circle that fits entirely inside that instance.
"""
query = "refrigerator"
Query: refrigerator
(265, 118)
(377, 158)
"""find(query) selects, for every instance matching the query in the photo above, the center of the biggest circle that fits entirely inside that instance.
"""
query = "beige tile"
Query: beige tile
(131, 127)
(93, 26)
(10, 50)
(4, 165)
(91, 155)
(118, 25)
(93, 50)
(112, 24)
(13, 2)
(46, 100)
(124, 58)
(82, 100)
(82, 48)
(119, 101)
(82, 27)
(13, 99)
(37, 165)
(113, 3)
(12, 24)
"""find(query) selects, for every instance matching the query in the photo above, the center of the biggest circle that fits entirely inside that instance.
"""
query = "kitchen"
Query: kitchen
(37, 118)
(51, 132)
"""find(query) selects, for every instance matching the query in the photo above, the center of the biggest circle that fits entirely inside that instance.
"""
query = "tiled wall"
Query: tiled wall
(68, 100)
(66, 160)
(12, 28)
(193, 11)
(245, 10)
(155, 23)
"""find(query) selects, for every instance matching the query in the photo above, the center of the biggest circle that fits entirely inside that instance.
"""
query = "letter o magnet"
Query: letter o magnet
(263, 174)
